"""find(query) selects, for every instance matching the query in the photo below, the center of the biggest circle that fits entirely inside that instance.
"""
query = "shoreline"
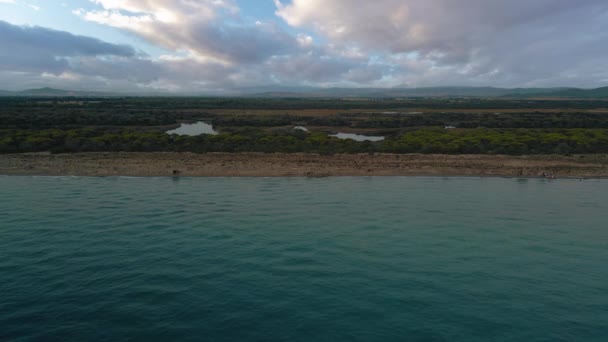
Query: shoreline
(172, 164)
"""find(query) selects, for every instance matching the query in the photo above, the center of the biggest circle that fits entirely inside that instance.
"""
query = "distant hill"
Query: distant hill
(52, 92)
(274, 91)
(428, 92)
(45, 92)
(598, 93)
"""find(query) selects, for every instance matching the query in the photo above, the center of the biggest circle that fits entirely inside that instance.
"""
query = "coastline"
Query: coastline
(153, 164)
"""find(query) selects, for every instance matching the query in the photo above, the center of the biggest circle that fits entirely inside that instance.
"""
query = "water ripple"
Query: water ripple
(353, 259)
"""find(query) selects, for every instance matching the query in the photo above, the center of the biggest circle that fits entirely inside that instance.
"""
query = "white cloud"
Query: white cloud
(496, 42)
(14, 2)
(116, 19)
(199, 27)
(32, 6)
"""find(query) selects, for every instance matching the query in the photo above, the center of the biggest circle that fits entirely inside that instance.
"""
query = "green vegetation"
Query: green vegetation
(475, 141)
(139, 124)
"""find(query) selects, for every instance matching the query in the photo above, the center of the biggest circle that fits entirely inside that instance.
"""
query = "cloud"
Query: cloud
(215, 37)
(212, 45)
(209, 28)
(412, 25)
(13, 2)
(57, 43)
(34, 7)
(25, 48)
(36, 56)
(514, 42)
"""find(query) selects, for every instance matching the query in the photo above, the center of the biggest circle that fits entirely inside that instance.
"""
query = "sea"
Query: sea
(303, 259)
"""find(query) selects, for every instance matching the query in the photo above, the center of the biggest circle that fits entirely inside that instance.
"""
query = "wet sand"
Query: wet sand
(300, 165)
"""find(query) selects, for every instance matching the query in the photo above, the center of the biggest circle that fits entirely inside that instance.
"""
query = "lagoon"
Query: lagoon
(194, 129)
(357, 137)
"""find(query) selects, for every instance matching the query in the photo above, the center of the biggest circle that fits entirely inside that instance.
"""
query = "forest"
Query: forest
(446, 126)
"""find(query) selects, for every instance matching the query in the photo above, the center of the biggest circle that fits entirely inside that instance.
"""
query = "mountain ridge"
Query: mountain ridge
(54, 92)
(274, 91)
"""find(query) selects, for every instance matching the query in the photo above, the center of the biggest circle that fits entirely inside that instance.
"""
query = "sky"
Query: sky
(208, 46)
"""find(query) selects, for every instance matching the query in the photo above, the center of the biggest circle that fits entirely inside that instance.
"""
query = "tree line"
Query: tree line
(429, 140)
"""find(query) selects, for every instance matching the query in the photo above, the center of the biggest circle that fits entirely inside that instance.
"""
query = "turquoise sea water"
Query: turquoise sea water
(336, 259)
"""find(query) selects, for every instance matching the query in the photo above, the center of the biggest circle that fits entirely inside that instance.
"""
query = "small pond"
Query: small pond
(358, 137)
(194, 129)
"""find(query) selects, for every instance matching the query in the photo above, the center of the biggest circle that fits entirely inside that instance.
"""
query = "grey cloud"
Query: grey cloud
(367, 74)
(241, 44)
(179, 74)
(45, 50)
(434, 25)
(58, 43)
(490, 42)
(311, 68)
(564, 49)
(325, 66)
(129, 69)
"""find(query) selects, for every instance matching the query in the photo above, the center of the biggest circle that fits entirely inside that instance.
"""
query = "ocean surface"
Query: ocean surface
(280, 259)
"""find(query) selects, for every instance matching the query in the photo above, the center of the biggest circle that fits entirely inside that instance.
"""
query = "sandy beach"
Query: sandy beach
(300, 165)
